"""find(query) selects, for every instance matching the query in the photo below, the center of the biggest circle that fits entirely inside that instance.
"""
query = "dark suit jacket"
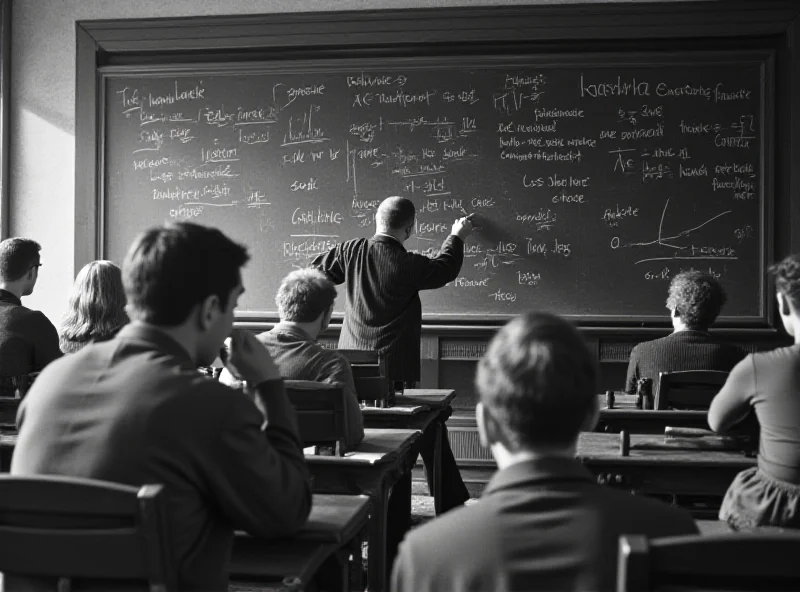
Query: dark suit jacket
(540, 525)
(28, 340)
(135, 410)
(299, 357)
(684, 350)
(382, 308)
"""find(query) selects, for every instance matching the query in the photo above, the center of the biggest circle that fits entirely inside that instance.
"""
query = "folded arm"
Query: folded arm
(734, 402)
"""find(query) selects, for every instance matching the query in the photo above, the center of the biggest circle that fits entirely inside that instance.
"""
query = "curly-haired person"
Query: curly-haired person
(695, 300)
(767, 383)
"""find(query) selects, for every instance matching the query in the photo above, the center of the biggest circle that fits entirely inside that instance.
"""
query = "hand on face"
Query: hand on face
(248, 359)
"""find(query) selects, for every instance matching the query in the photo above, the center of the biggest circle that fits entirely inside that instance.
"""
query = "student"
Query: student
(28, 340)
(305, 304)
(134, 409)
(96, 310)
(543, 522)
(383, 311)
(695, 300)
(767, 383)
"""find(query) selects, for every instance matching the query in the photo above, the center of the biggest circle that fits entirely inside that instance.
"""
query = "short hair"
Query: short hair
(538, 380)
(697, 297)
(170, 269)
(396, 213)
(787, 278)
(304, 295)
(17, 256)
(96, 303)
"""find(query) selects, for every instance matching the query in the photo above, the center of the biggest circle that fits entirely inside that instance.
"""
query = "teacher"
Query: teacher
(382, 280)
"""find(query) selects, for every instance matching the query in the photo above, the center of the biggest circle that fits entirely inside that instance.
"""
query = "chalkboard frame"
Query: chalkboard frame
(172, 41)
(764, 59)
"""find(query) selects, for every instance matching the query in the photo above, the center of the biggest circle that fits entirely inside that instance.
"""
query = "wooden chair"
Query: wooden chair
(757, 562)
(370, 380)
(65, 529)
(320, 413)
(688, 389)
(8, 412)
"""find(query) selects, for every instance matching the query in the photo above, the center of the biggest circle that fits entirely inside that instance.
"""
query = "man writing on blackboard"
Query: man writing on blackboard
(383, 311)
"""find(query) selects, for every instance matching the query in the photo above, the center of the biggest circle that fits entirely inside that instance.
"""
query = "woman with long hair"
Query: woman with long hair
(96, 307)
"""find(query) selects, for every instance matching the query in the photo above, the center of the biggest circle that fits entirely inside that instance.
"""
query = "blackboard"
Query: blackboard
(594, 179)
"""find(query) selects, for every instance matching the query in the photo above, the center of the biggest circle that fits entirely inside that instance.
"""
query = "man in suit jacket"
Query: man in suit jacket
(28, 340)
(135, 410)
(695, 300)
(382, 310)
(543, 522)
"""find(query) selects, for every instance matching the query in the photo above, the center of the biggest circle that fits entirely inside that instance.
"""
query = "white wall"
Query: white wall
(42, 126)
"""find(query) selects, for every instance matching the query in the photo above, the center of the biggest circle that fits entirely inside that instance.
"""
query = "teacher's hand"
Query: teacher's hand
(248, 359)
(463, 227)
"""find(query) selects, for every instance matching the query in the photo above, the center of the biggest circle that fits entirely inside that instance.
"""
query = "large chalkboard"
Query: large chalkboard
(594, 180)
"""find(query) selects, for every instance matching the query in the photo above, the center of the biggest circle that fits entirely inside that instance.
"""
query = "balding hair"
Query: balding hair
(395, 213)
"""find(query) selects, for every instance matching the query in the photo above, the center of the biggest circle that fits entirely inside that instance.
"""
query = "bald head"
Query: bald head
(395, 214)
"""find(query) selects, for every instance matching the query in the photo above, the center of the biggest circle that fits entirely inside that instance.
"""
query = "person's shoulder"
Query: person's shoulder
(457, 531)
(651, 516)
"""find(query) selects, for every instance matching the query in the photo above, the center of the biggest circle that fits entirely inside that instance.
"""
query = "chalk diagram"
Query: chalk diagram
(674, 242)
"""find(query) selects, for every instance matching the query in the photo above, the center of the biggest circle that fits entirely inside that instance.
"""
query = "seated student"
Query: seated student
(28, 340)
(135, 410)
(96, 309)
(543, 522)
(767, 383)
(305, 304)
(695, 300)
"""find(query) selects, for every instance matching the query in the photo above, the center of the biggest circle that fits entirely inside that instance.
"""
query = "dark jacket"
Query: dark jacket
(684, 350)
(299, 357)
(540, 525)
(28, 340)
(382, 309)
(135, 410)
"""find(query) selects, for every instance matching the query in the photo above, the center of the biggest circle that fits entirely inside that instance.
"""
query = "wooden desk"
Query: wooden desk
(418, 409)
(322, 547)
(671, 471)
(381, 468)
(625, 416)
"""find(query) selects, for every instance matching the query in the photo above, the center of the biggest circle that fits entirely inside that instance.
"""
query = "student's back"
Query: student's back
(540, 525)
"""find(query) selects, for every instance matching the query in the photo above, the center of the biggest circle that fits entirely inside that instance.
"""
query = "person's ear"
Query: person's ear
(326, 319)
(209, 311)
(783, 304)
(489, 429)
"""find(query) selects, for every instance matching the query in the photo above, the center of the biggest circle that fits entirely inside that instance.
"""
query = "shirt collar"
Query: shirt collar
(6, 296)
(538, 471)
(284, 327)
(387, 238)
(160, 340)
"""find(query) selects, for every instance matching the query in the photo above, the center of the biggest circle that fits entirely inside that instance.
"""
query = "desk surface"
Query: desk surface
(603, 448)
(379, 446)
(433, 398)
(333, 519)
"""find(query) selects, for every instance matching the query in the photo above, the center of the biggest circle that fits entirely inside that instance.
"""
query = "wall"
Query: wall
(42, 126)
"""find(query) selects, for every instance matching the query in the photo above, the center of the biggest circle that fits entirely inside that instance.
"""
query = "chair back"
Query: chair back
(370, 380)
(688, 389)
(757, 562)
(16, 387)
(320, 413)
(64, 529)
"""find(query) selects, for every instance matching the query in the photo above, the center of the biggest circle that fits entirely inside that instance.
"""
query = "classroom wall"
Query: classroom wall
(42, 110)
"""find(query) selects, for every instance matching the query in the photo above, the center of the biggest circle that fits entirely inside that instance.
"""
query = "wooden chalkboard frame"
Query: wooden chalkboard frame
(155, 43)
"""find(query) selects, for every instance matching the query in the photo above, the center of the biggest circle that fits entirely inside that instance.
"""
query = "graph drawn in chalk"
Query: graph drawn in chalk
(685, 251)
